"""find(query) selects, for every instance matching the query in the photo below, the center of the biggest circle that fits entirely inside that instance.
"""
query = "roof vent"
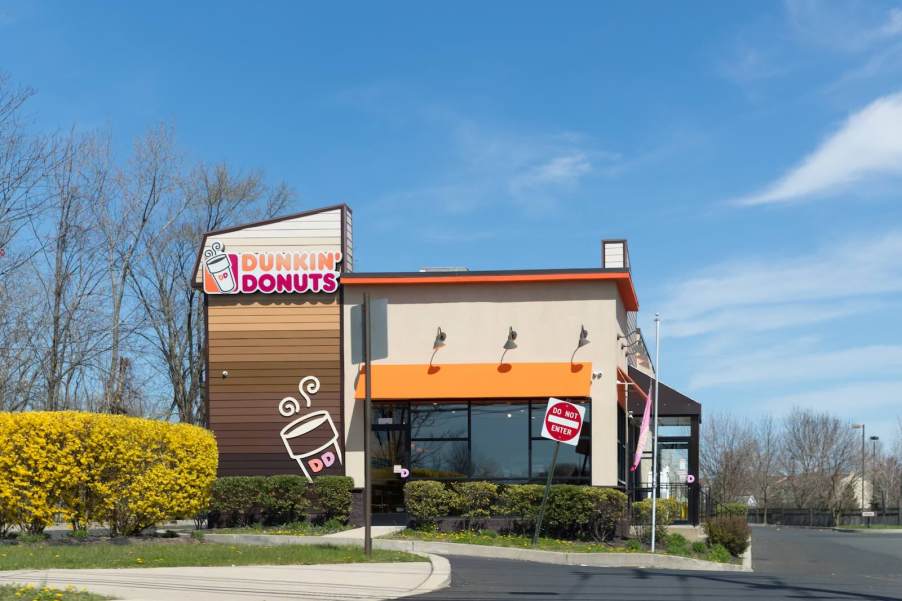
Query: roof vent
(614, 254)
(442, 269)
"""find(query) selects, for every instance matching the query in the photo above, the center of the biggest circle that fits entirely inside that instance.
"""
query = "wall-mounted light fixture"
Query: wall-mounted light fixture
(225, 373)
(440, 338)
(629, 335)
(583, 340)
(510, 343)
(439, 342)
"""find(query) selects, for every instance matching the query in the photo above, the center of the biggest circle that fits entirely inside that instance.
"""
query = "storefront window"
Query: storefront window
(439, 459)
(571, 466)
(438, 420)
(674, 426)
(499, 440)
(390, 415)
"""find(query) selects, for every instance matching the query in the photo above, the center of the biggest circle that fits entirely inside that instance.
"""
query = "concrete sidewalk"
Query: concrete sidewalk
(339, 582)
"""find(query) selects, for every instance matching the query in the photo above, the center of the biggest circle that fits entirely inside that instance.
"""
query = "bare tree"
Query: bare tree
(123, 212)
(817, 457)
(766, 443)
(210, 198)
(23, 158)
(67, 272)
(726, 452)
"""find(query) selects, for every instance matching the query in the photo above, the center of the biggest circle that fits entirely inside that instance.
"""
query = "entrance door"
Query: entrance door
(390, 445)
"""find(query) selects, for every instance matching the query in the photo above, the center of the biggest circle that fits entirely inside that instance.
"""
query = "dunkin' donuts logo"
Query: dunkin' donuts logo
(297, 272)
(312, 439)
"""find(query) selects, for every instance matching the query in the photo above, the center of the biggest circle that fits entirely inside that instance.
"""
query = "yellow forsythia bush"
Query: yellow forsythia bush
(127, 472)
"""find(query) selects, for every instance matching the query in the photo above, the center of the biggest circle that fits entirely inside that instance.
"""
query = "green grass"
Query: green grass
(293, 529)
(675, 544)
(162, 554)
(485, 537)
(27, 592)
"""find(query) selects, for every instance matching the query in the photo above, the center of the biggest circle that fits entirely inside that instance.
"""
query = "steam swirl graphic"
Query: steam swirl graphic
(290, 406)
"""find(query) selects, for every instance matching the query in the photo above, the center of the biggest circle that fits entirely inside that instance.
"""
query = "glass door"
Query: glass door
(390, 448)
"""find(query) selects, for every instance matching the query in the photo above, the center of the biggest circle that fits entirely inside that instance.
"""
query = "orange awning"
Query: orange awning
(478, 381)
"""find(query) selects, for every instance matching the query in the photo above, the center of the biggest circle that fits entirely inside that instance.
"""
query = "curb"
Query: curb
(598, 560)
(868, 531)
(439, 578)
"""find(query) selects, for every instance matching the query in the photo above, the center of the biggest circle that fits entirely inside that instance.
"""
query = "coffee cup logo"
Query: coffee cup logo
(312, 439)
(219, 266)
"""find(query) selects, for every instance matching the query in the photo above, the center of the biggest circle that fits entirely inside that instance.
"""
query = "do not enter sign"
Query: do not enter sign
(563, 421)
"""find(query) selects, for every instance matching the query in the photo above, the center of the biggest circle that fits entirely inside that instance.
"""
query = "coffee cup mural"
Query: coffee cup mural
(312, 439)
(219, 265)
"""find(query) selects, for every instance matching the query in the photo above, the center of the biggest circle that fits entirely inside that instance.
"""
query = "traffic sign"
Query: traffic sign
(563, 421)
(868, 514)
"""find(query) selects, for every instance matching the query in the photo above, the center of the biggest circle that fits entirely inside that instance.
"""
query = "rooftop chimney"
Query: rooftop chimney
(614, 254)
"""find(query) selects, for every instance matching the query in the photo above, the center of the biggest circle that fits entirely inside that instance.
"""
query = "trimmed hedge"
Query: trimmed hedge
(127, 472)
(666, 511)
(573, 511)
(274, 500)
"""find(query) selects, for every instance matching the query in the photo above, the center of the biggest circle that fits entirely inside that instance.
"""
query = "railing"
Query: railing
(686, 496)
(818, 518)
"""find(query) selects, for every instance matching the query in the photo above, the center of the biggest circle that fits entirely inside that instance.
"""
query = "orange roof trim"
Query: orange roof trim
(623, 280)
(477, 381)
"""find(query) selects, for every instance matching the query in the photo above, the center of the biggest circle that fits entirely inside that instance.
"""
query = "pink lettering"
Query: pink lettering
(328, 458)
(248, 283)
(266, 282)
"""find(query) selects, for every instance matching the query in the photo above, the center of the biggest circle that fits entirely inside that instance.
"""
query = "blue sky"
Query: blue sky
(751, 153)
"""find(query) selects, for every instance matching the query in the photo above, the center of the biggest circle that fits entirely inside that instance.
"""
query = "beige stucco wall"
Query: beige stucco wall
(476, 317)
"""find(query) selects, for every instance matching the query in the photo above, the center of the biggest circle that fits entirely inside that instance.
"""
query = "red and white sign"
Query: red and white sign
(563, 421)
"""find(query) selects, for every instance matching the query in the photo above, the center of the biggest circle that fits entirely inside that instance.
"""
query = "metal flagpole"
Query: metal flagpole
(654, 457)
(367, 427)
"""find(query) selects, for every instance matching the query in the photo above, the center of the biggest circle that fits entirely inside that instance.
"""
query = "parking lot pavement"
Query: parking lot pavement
(789, 563)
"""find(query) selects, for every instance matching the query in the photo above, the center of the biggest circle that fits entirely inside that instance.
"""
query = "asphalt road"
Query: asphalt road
(789, 563)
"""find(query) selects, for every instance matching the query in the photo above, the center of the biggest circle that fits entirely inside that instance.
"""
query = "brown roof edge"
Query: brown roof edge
(203, 242)
(671, 401)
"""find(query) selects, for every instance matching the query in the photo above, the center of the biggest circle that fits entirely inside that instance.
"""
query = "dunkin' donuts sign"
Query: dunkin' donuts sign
(284, 272)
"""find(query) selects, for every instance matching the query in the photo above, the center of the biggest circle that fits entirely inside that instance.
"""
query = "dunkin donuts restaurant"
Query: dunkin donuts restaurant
(468, 361)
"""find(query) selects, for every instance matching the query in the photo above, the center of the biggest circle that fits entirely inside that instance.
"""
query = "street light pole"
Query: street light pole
(861, 427)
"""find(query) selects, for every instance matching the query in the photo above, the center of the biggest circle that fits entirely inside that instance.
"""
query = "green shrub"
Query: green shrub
(738, 509)
(574, 511)
(718, 553)
(236, 500)
(333, 497)
(282, 499)
(521, 501)
(676, 544)
(699, 548)
(426, 501)
(733, 532)
(610, 510)
(666, 511)
(474, 499)
(633, 544)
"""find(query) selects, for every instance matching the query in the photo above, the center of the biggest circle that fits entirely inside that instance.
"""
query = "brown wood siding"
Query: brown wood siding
(268, 343)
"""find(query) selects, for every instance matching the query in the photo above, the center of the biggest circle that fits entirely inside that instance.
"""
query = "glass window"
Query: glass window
(389, 415)
(571, 465)
(439, 459)
(438, 420)
(499, 439)
(674, 426)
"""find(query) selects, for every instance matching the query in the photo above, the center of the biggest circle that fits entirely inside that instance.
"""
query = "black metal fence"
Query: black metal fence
(686, 495)
(822, 519)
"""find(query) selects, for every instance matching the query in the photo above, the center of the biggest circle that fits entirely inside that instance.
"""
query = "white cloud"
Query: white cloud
(564, 170)
(771, 366)
(776, 293)
(846, 27)
(869, 144)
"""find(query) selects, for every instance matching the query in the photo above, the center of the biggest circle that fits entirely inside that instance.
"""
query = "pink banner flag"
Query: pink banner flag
(643, 431)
